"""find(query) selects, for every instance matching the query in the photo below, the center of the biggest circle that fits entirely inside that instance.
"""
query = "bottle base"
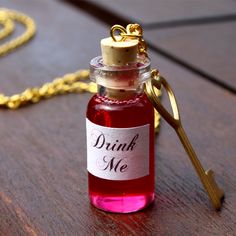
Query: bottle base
(119, 204)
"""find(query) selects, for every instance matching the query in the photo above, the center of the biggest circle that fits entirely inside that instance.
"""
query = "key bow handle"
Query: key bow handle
(157, 81)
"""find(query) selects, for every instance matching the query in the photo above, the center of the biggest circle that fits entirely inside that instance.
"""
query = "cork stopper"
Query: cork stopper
(119, 53)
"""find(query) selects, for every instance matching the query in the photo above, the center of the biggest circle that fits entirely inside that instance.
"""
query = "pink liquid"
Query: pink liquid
(126, 195)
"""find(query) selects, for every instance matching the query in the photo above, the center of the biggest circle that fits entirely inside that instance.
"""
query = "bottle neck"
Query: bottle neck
(129, 78)
(120, 94)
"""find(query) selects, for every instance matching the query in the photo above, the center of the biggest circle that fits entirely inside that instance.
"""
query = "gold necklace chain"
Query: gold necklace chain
(7, 18)
(69, 83)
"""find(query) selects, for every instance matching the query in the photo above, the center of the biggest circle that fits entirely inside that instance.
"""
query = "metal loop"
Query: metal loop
(118, 28)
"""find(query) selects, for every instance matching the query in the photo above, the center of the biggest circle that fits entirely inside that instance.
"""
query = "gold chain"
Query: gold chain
(69, 83)
(7, 18)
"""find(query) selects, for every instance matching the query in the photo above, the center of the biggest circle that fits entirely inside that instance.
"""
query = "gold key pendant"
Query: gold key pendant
(215, 194)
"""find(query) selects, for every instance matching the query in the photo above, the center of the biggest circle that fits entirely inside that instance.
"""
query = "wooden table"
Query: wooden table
(43, 177)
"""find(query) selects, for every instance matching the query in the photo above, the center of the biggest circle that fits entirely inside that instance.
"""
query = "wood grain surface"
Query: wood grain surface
(153, 11)
(191, 44)
(43, 176)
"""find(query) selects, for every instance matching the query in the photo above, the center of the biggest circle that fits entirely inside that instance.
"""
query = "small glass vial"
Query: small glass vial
(120, 131)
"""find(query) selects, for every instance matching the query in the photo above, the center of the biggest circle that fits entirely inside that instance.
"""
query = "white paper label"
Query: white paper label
(117, 153)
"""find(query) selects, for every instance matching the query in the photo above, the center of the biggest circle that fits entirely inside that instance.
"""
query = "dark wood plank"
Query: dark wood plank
(212, 134)
(208, 47)
(152, 11)
(209, 40)
(43, 177)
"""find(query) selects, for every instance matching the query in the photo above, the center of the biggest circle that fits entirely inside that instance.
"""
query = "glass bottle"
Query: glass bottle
(120, 137)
